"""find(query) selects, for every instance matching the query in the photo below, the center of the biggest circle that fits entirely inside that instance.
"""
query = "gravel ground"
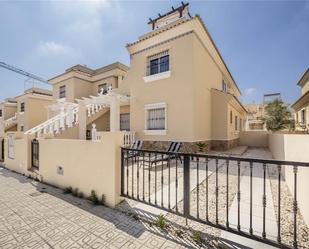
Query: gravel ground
(287, 215)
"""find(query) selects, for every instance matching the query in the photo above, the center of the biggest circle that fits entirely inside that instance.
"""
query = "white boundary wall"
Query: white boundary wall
(294, 147)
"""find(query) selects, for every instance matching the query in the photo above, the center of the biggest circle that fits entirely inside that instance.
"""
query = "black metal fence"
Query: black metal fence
(204, 188)
(35, 153)
(2, 149)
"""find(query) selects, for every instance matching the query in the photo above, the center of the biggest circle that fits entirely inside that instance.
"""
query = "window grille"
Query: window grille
(62, 92)
(22, 107)
(156, 119)
(158, 63)
(125, 121)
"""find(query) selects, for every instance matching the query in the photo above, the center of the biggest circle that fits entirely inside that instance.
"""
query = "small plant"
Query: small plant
(201, 146)
(179, 233)
(68, 190)
(80, 195)
(160, 222)
(103, 200)
(196, 236)
(94, 198)
(75, 192)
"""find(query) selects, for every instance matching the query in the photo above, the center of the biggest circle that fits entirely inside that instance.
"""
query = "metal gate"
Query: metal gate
(2, 150)
(204, 187)
(35, 153)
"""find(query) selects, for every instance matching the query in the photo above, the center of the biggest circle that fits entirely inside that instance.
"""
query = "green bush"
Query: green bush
(68, 190)
(160, 222)
(196, 236)
(94, 198)
(201, 146)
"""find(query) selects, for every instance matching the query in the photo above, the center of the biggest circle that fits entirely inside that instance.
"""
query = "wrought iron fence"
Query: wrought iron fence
(204, 188)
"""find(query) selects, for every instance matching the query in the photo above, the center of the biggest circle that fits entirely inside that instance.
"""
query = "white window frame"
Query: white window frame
(161, 75)
(155, 106)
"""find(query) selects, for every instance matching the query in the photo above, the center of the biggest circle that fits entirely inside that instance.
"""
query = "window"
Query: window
(236, 119)
(62, 92)
(125, 121)
(224, 86)
(156, 119)
(22, 107)
(231, 117)
(0, 113)
(158, 63)
(102, 88)
(22, 127)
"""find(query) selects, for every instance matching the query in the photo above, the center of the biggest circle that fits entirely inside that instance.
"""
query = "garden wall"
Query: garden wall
(294, 147)
(254, 138)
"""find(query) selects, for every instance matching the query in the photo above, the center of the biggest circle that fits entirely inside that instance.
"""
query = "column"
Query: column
(114, 115)
(82, 121)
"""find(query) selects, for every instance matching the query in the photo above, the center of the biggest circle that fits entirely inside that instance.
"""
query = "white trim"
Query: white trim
(158, 76)
(155, 132)
(155, 105)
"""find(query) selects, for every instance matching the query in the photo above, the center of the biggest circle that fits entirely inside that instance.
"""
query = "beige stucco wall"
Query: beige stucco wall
(305, 88)
(177, 91)
(195, 70)
(35, 113)
(294, 147)
(8, 110)
(21, 161)
(253, 138)
(86, 165)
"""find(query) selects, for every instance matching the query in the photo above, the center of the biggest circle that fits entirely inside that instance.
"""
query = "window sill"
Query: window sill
(158, 76)
(155, 132)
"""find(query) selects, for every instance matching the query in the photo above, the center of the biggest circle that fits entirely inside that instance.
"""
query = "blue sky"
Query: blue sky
(264, 43)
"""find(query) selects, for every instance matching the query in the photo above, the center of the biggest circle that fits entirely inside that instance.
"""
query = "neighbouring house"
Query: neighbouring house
(8, 110)
(23, 112)
(254, 117)
(301, 106)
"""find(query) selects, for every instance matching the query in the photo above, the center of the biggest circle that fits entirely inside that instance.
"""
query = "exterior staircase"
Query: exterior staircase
(65, 120)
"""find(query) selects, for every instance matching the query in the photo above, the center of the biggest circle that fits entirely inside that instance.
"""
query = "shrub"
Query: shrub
(196, 236)
(94, 198)
(68, 190)
(160, 222)
(80, 195)
(201, 146)
(75, 192)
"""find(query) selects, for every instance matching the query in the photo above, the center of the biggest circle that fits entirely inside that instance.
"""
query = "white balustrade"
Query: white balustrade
(129, 138)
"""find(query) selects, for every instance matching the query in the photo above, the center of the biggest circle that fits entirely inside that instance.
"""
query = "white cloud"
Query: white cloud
(51, 48)
(249, 91)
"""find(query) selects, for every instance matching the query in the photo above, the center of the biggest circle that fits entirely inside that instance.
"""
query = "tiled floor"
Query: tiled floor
(34, 215)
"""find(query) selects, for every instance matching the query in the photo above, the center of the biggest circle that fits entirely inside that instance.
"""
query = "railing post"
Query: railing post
(122, 171)
(186, 185)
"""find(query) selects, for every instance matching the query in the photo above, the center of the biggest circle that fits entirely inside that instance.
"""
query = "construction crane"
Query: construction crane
(22, 72)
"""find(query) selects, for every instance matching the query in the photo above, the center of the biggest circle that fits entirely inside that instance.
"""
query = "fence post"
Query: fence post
(122, 172)
(186, 185)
